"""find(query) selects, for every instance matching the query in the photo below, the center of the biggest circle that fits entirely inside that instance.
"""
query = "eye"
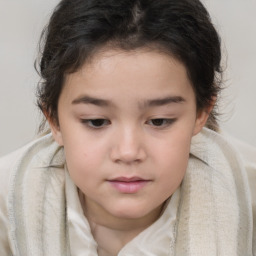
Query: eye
(161, 122)
(96, 123)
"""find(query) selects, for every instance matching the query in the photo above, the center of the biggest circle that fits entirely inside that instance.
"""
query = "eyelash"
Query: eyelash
(164, 122)
(97, 123)
(100, 123)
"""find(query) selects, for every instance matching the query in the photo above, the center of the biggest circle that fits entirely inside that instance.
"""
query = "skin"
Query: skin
(126, 114)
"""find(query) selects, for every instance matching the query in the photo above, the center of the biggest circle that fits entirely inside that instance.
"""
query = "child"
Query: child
(128, 168)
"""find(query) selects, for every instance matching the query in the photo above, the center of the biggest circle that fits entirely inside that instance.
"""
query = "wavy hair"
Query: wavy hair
(80, 28)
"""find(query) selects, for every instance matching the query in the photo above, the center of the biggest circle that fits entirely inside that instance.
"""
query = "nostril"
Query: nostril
(128, 155)
(128, 146)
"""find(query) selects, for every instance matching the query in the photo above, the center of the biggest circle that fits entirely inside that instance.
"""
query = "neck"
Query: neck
(112, 233)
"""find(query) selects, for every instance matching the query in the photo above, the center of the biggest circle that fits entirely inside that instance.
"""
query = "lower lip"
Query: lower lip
(129, 187)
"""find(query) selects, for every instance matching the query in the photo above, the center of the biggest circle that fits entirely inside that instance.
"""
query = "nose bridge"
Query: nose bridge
(128, 146)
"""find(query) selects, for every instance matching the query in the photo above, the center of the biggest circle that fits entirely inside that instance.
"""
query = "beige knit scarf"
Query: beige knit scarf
(214, 214)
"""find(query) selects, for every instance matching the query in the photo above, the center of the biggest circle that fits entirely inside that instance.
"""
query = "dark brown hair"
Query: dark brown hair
(79, 28)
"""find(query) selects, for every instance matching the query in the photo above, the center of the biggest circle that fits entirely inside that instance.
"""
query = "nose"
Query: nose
(128, 147)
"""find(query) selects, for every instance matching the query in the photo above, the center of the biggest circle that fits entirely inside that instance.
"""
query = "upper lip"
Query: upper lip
(128, 179)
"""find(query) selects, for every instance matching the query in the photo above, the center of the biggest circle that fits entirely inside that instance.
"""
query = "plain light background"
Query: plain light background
(21, 22)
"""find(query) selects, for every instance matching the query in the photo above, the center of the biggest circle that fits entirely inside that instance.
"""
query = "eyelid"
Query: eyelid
(167, 122)
(89, 123)
(100, 123)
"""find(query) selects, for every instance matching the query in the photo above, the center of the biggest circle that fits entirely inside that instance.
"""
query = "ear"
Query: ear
(201, 120)
(56, 133)
(202, 117)
(55, 129)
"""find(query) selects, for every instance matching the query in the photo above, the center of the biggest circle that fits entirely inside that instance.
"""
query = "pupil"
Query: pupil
(98, 122)
(157, 122)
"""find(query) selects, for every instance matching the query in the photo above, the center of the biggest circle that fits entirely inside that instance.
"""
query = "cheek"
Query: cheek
(173, 155)
(174, 166)
(81, 165)
(81, 157)
(176, 145)
(172, 172)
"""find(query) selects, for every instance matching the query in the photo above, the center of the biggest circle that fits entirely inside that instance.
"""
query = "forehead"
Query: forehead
(141, 72)
(143, 58)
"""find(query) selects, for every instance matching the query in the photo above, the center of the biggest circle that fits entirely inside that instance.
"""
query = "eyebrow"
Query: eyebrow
(85, 99)
(91, 100)
(163, 101)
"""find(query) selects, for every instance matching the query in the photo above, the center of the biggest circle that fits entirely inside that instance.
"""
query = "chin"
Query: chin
(130, 215)
(133, 211)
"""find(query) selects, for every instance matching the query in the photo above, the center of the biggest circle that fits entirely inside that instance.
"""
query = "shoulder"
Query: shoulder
(10, 161)
(38, 150)
(6, 164)
(220, 150)
(232, 148)
(237, 151)
(35, 152)
(246, 151)
(248, 154)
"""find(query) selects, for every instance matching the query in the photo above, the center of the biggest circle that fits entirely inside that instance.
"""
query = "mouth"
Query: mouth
(128, 185)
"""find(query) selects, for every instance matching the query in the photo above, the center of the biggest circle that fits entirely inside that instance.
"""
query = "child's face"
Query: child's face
(126, 121)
